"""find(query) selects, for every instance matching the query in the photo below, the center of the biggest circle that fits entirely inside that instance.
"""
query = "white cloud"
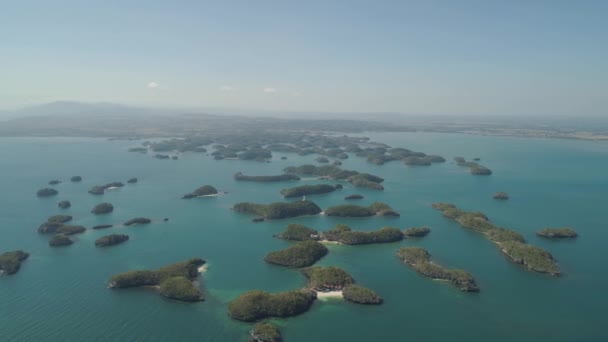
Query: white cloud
(270, 90)
(227, 88)
(153, 85)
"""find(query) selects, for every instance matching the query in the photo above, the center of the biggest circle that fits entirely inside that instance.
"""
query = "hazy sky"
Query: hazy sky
(474, 57)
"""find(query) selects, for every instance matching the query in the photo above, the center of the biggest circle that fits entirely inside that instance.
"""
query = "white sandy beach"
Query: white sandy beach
(329, 295)
(203, 268)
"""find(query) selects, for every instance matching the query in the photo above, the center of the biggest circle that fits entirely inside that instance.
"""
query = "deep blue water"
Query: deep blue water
(61, 294)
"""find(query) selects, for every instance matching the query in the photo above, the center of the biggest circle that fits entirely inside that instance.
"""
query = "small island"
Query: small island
(132, 180)
(102, 208)
(501, 196)
(175, 281)
(327, 278)
(102, 226)
(70, 230)
(305, 190)
(255, 305)
(137, 220)
(357, 179)
(60, 240)
(111, 240)
(46, 192)
(205, 190)
(54, 182)
(76, 179)
(351, 210)
(298, 232)
(353, 197)
(239, 176)
(361, 295)
(420, 260)
(10, 262)
(365, 180)
(344, 234)
(278, 210)
(101, 189)
(64, 204)
(59, 219)
(301, 254)
(416, 232)
(510, 242)
(558, 233)
(265, 332)
(474, 167)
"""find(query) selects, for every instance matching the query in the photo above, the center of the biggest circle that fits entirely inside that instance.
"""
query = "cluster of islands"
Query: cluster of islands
(180, 281)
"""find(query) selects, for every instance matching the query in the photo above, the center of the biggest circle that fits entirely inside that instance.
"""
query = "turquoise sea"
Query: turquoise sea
(61, 294)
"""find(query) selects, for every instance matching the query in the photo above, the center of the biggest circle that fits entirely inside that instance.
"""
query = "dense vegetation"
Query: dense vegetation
(10, 262)
(304, 190)
(204, 190)
(132, 180)
(532, 258)
(360, 295)
(255, 305)
(298, 232)
(103, 226)
(102, 208)
(279, 210)
(59, 219)
(344, 234)
(111, 240)
(49, 227)
(357, 179)
(180, 288)
(557, 233)
(64, 204)
(351, 210)
(420, 260)
(76, 179)
(365, 180)
(60, 240)
(70, 230)
(169, 278)
(265, 332)
(137, 220)
(301, 254)
(328, 278)
(46, 192)
(416, 231)
(474, 168)
(54, 182)
(277, 178)
(353, 197)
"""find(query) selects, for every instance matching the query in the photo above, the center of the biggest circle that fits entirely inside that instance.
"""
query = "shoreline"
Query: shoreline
(203, 268)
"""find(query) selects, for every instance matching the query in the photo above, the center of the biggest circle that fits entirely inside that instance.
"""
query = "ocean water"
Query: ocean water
(61, 294)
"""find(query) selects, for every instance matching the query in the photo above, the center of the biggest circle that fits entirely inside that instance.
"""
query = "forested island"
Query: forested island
(278, 210)
(102, 208)
(265, 332)
(305, 190)
(46, 192)
(360, 295)
(276, 178)
(416, 232)
(60, 240)
(344, 234)
(351, 210)
(174, 281)
(111, 240)
(357, 179)
(64, 204)
(557, 233)
(256, 305)
(330, 279)
(205, 190)
(10, 262)
(501, 195)
(508, 241)
(353, 197)
(301, 254)
(137, 220)
(474, 167)
(298, 232)
(420, 260)
(101, 189)
(76, 179)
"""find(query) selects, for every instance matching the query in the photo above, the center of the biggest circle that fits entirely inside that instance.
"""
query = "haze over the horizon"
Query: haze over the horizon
(435, 57)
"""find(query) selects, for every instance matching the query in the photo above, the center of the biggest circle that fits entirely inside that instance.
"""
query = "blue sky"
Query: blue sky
(419, 57)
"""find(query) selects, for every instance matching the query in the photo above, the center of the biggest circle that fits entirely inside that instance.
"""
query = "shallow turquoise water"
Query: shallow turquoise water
(61, 294)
